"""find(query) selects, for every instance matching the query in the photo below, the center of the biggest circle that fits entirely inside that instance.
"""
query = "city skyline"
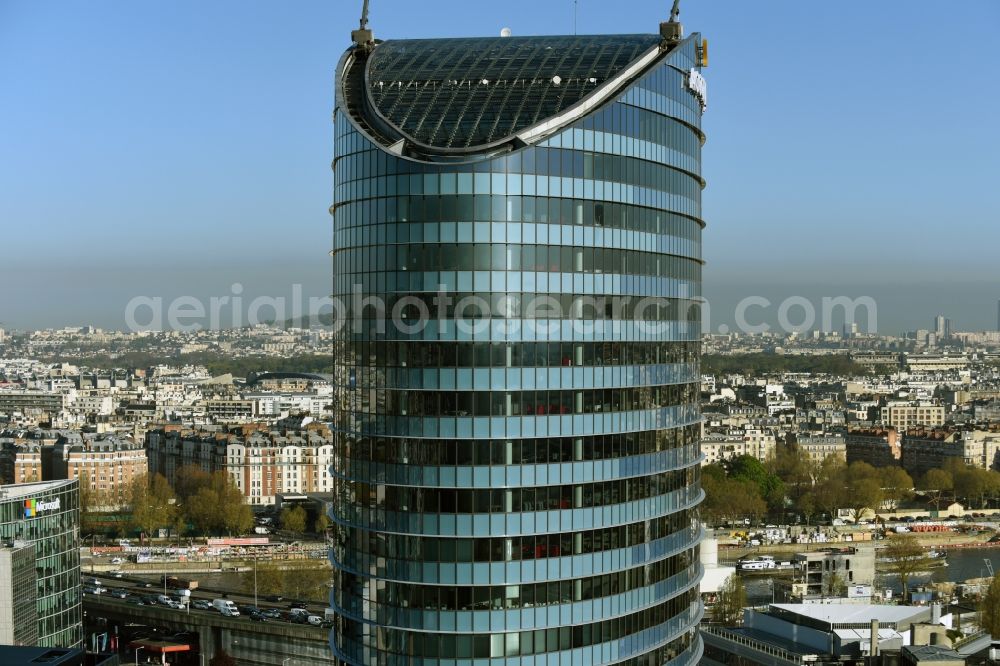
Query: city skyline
(157, 155)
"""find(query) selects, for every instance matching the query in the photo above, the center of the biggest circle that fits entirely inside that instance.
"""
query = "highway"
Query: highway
(146, 588)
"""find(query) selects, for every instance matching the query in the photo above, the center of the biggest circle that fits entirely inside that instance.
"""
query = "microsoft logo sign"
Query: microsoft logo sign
(33, 507)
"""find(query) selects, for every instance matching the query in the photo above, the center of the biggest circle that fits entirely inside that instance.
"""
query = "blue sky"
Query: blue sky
(167, 148)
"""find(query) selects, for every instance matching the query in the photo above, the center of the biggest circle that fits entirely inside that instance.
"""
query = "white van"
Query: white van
(226, 607)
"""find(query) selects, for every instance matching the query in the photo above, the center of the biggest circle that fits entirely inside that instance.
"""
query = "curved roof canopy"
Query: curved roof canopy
(462, 93)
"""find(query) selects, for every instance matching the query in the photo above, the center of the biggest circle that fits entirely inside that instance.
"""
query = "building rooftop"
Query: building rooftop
(15, 490)
(859, 614)
(459, 93)
(933, 653)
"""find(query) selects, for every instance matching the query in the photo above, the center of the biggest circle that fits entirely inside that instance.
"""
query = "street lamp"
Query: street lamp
(137, 654)
(255, 580)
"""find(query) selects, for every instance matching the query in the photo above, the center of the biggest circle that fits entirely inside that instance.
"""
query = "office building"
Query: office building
(518, 479)
(902, 415)
(18, 612)
(942, 327)
(43, 519)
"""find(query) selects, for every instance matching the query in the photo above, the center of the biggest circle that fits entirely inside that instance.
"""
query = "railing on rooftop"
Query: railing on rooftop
(758, 645)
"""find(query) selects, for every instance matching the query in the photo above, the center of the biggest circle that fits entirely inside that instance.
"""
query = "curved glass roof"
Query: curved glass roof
(457, 93)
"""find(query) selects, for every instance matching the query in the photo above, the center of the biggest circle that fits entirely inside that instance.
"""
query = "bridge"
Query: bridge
(250, 643)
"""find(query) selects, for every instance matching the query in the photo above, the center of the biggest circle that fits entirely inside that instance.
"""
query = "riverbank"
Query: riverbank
(934, 540)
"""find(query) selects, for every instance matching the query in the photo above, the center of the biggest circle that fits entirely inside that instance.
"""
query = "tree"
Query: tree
(935, 483)
(904, 557)
(729, 605)
(270, 579)
(152, 503)
(835, 585)
(236, 515)
(322, 524)
(730, 499)
(748, 468)
(897, 486)
(293, 519)
(216, 505)
(864, 493)
(989, 608)
(296, 579)
(188, 480)
(202, 511)
(306, 577)
(222, 658)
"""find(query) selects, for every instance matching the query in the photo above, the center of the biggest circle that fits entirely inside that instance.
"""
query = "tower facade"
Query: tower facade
(517, 268)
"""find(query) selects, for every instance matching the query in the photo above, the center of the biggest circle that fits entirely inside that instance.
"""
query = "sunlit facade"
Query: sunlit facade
(517, 245)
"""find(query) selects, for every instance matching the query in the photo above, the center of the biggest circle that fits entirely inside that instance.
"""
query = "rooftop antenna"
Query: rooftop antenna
(672, 31)
(575, 4)
(363, 37)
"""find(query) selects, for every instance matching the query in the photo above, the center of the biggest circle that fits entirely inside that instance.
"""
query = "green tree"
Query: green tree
(731, 499)
(202, 511)
(936, 483)
(293, 519)
(217, 505)
(236, 516)
(748, 468)
(864, 490)
(731, 600)
(829, 489)
(151, 501)
(989, 608)
(897, 486)
(904, 557)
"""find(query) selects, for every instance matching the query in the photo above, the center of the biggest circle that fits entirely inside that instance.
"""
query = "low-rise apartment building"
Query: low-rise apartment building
(879, 447)
(262, 460)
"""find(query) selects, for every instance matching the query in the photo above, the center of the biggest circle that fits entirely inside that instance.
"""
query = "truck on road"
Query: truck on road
(226, 607)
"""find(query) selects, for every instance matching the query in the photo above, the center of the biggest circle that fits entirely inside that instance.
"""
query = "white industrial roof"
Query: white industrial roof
(852, 613)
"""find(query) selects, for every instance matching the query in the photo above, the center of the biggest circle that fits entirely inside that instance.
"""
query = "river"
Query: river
(963, 564)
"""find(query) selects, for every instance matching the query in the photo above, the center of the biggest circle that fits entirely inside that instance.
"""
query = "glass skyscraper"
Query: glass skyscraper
(44, 518)
(517, 272)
